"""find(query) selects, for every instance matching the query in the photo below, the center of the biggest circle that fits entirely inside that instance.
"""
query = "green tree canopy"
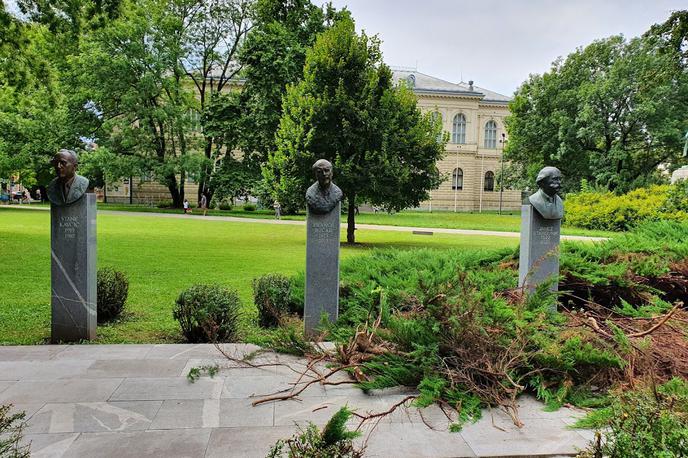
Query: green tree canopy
(346, 110)
(609, 113)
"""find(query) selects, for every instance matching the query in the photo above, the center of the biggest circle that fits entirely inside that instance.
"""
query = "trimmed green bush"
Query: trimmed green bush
(208, 313)
(607, 211)
(165, 204)
(113, 288)
(225, 206)
(249, 208)
(271, 295)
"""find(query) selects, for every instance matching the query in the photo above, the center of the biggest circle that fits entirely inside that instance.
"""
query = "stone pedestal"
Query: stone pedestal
(322, 268)
(73, 270)
(539, 256)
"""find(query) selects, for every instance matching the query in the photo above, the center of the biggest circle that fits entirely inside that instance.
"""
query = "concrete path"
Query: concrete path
(372, 227)
(135, 401)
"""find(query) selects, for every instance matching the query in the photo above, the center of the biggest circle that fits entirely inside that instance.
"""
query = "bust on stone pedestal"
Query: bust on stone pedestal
(546, 200)
(323, 195)
(67, 187)
(72, 252)
(323, 199)
(540, 232)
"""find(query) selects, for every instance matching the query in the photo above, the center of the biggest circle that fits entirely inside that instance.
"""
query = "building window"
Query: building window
(411, 81)
(489, 181)
(491, 134)
(459, 129)
(457, 179)
(437, 117)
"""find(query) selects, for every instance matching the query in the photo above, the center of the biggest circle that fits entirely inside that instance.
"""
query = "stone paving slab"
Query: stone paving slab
(135, 400)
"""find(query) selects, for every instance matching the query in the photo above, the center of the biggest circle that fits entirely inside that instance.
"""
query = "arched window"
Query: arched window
(437, 116)
(457, 179)
(411, 79)
(459, 129)
(491, 134)
(489, 181)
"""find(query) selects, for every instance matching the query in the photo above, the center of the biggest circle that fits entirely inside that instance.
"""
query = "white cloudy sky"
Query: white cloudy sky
(497, 43)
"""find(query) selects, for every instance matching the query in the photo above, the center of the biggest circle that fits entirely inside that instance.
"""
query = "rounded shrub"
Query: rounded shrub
(165, 204)
(208, 313)
(225, 206)
(271, 294)
(113, 288)
(249, 208)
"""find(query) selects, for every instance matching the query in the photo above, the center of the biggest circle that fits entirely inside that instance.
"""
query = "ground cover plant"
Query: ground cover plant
(11, 433)
(162, 257)
(453, 325)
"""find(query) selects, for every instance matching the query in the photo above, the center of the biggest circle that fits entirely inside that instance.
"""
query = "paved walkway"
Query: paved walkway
(372, 227)
(135, 401)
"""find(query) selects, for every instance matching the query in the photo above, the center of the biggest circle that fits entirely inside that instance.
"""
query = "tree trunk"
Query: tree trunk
(350, 219)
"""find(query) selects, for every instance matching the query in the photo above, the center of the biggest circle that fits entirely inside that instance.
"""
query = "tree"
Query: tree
(347, 111)
(213, 34)
(134, 87)
(610, 113)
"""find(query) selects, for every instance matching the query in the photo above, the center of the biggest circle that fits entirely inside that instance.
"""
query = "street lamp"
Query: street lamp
(501, 174)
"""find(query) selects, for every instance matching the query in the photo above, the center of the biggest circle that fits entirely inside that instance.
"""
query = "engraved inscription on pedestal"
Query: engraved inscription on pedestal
(323, 199)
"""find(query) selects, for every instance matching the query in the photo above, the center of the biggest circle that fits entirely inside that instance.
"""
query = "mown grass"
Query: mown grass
(488, 221)
(163, 256)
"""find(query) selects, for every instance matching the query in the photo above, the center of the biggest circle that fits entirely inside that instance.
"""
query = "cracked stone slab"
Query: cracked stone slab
(135, 368)
(209, 351)
(62, 390)
(43, 370)
(212, 413)
(168, 388)
(94, 417)
(30, 352)
(245, 442)
(114, 351)
(49, 445)
(181, 443)
(538, 436)
(413, 440)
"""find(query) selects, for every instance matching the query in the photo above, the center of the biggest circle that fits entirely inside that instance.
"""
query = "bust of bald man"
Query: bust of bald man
(323, 195)
(67, 187)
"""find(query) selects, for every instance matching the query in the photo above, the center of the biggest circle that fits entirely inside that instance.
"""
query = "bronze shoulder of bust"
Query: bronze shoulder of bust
(76, 191)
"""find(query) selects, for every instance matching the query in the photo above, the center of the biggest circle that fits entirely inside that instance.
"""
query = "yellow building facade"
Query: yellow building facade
(473, 118)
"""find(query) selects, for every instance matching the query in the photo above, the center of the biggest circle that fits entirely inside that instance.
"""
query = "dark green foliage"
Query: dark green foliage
(335, 441)
(113, 288)
(208, 313)
(642, 423)
(11, 432)
(225, 206)
(249, 207)
(165, 204)
(271, 295)
(346, 110)
(196, 372)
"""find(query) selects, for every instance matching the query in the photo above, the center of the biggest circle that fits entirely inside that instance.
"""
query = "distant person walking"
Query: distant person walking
(204, 204)
(186, 207)
(38, 195)
(278, 209)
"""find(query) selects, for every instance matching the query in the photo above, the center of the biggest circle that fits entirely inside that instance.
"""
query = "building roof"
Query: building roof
(423, 83)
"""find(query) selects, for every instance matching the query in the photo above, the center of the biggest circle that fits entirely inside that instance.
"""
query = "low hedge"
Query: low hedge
(607, 211)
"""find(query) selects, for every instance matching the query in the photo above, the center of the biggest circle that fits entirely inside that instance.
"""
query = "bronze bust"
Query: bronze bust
(545, 200)
(67, 187)
(323, 196)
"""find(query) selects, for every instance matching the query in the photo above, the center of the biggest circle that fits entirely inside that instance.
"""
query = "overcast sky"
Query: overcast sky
(497, 43)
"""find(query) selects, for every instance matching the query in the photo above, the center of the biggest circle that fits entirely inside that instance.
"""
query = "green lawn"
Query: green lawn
(161, 257)
(488, 221)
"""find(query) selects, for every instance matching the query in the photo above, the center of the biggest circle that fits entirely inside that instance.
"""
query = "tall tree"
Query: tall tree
(213, 34)
(132, 81)
(609, 113)
(346, 110)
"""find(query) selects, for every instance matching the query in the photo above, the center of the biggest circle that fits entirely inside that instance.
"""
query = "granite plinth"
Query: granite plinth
(539, 255)
(73, 270)
(322, 268)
